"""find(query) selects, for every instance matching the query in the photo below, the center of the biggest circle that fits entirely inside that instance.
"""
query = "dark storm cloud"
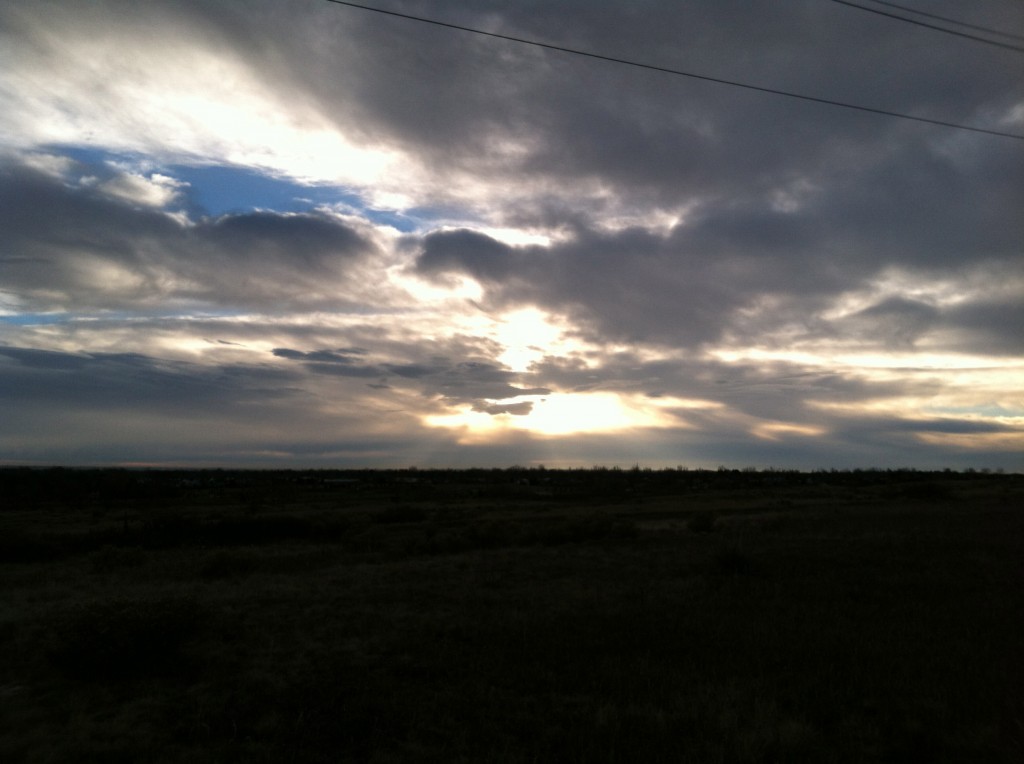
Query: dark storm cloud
(735, 396)
(989, 326)
(629, 284)
(454, 382)
(452, 93)
(300, 241)
(621, 286)
(478, 255)
(688, 287)
(516, 409)
(128, 381)
(71, 245)
(952, 426)
(926, 208)
(470, 380)
(898, 322)
(317, 356)
(891, 441)
(342, 363)
(454, 100)
(783, 198)
(795, 201)
(657, 139)
(87, 408)
(31, 358)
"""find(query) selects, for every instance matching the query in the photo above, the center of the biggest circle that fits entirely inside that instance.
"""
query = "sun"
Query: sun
(528, 335)
(570, 413)
(560, 414)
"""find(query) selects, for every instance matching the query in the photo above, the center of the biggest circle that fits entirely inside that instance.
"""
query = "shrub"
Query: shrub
(400, 513)
(702, 522)
(924, 492)
(579, 529)
(164, 529)
(125, 639)
(730, 561)
(493, 534)
(449, 541)
(17, 545)
(257, 529)
(775, 523)
(225, 565)
(111, 558)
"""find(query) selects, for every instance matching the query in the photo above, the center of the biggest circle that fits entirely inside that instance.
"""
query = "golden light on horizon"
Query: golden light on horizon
(975, 441)
(778, 430)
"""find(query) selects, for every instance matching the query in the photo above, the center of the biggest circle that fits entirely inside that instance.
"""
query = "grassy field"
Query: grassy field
(511, 616)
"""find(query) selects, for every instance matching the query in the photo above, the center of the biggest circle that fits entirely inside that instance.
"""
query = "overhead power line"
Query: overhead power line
(925, 24)
(916, 12)
(679, 72)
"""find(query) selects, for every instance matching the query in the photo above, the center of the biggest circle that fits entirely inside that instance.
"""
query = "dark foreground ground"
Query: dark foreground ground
(511, 616)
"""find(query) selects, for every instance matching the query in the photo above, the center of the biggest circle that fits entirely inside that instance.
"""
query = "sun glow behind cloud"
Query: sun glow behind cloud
(560, 414)
(528, 335)
(779, 430)
(209, 107)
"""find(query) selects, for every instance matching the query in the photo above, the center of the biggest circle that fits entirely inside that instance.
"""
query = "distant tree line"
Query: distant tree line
(27, 486)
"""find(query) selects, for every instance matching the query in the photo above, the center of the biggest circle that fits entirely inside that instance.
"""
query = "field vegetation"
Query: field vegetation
(520, 615)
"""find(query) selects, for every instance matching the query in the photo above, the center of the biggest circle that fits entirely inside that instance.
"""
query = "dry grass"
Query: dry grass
(847, 622)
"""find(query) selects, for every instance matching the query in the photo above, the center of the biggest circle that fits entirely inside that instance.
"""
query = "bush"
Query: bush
(702, 522)
(924, 492)
(164, 529)
(775, 523)
(448, 541)
(400, 513)
(265, 529)
(17, 545)
(125, 639)
(111, 558)
(580, 529)
(225, 565)
(730, 561)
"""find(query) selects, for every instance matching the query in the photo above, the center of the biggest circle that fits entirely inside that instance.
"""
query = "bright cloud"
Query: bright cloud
(155, 191)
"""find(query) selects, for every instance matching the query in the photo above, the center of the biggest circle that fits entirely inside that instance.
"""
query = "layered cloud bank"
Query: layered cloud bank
(295, 234)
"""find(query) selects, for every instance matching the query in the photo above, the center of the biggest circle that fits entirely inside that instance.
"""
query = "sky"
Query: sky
(290, 233)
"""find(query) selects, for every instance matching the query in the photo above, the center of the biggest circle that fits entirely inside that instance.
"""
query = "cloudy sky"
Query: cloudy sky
(291, 233)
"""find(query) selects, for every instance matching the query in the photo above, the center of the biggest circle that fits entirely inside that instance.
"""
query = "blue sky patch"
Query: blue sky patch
(216, 190)
(34, 319)
(219, 190)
